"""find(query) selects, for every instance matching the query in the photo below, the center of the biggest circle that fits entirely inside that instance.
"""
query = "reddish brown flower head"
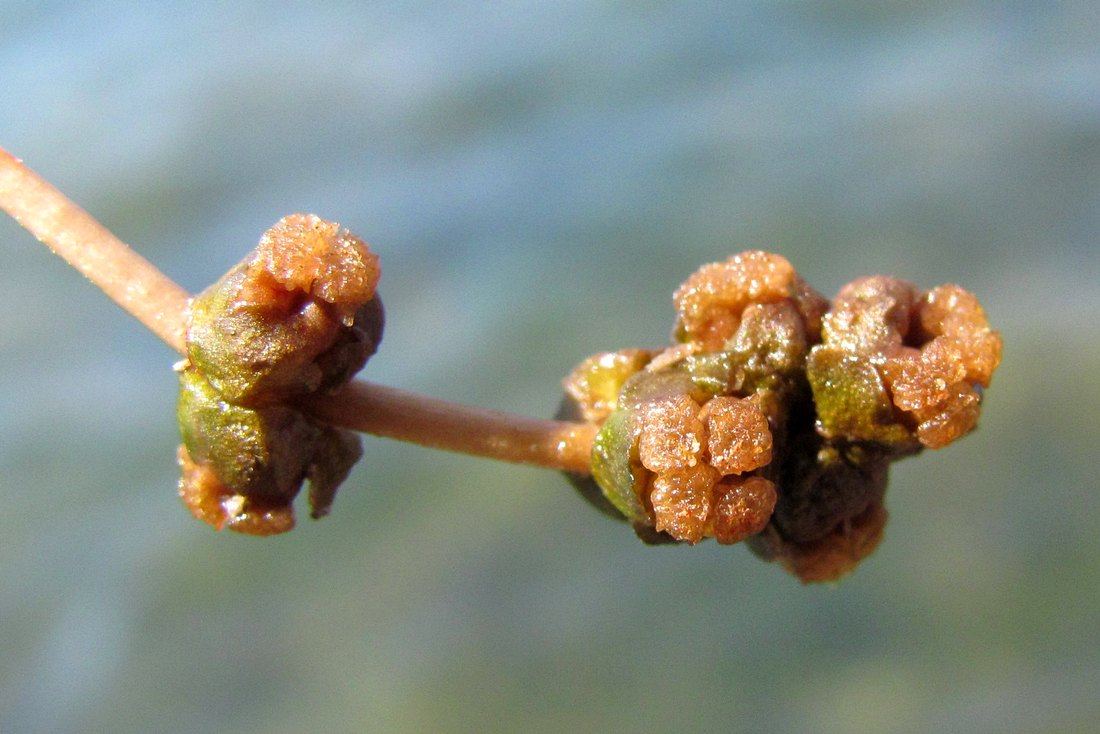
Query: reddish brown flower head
(776, 415)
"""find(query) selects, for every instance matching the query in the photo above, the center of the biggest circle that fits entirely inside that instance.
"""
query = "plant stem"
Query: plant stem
(126, 277)
(440, 424)
(161, 305)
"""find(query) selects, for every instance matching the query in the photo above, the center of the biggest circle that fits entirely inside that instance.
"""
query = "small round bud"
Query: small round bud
(710, 302)
(682, 501)
(738, 436)
(670, 433)
(742, 508)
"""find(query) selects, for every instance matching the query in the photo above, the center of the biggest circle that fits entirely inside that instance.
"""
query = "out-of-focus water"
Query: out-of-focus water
(538, 178)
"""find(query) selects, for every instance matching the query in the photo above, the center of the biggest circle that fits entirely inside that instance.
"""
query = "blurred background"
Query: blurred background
(538, 178)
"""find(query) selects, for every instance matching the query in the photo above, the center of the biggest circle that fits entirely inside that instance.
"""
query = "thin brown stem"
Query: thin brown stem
(161, 305)
(440, 424)
(126, 277)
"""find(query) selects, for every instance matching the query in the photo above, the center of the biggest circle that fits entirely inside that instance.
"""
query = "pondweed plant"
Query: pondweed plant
(772, 419)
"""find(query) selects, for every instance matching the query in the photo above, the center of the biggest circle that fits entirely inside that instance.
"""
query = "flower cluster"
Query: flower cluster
(297, 316)
(775, 415)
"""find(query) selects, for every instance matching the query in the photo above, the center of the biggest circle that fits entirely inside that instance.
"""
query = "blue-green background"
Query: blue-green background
(537, 178)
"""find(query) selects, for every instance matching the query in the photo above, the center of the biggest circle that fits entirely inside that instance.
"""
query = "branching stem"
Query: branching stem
(160, 304)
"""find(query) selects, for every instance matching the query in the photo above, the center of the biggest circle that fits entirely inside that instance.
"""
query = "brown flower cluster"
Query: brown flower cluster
(697, 455)
(775, 416)
(297, 316)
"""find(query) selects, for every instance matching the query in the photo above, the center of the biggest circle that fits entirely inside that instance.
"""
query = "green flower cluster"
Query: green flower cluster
(298, 315)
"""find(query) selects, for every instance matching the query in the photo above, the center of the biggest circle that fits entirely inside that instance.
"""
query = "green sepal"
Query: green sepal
(767, 352)
(586, 486)
(851, 399)
(260, 453)
(246, 351)
(615, 469)
(255, 353)
(711, 374)
(666, 383)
